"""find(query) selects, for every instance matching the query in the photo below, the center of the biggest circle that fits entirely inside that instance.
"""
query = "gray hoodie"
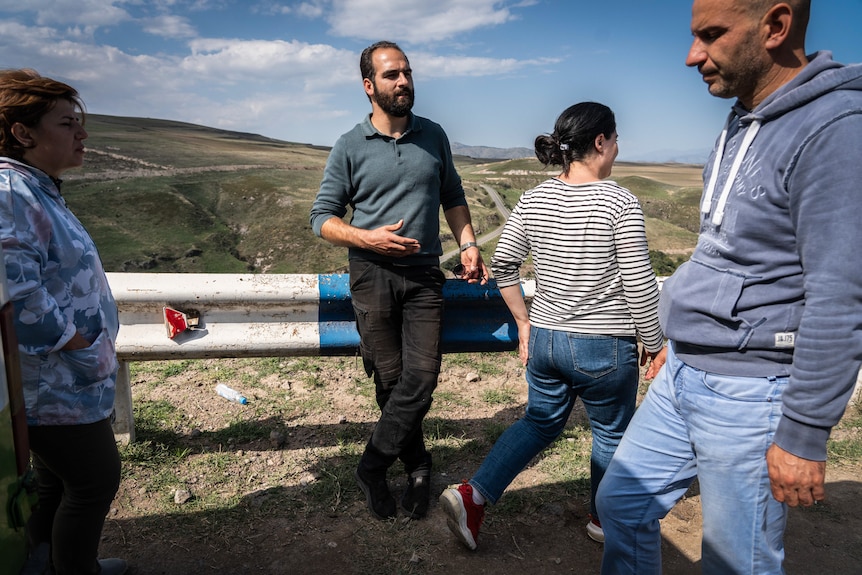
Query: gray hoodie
(774, 287)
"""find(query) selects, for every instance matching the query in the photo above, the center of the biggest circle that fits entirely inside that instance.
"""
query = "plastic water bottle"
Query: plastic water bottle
(231, 394)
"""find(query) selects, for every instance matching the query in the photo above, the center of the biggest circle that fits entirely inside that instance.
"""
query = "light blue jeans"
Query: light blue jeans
(562, 366)
(713, 427)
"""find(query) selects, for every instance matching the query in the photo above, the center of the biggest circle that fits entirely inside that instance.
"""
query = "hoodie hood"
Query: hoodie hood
(821, 76)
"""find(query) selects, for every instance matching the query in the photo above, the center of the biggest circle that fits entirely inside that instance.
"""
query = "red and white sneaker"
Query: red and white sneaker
(595, 531)
(463, 517)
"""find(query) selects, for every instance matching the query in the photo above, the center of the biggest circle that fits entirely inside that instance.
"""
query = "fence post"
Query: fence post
(124, 429)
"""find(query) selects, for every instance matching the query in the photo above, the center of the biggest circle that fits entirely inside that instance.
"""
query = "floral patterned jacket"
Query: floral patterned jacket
(57, 286)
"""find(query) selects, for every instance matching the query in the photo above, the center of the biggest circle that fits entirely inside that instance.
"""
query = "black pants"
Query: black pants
(77, 475)
(399, 310)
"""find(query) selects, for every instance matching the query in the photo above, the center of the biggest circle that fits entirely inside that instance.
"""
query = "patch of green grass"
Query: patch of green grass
(261, 367)
(489, 364)
(457, 360)
(139, 368)
(442, 429)
(500, 396)
(846, 442)
(304, 364)
(568, 456)
(242, 431)
(313, 402)
(483, 363)
(219, 471)
(221, 373)
(352, 433)
(313, 381)
(364, 387)
(157, 421)
(847, 450)
(173, 368)
(148, 454)
(161, 485)
(448, 399)
(335, 484)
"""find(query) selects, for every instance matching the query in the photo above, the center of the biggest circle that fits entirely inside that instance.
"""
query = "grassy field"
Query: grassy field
(160, 196)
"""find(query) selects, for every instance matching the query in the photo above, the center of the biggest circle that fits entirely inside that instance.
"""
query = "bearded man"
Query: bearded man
(395, 170)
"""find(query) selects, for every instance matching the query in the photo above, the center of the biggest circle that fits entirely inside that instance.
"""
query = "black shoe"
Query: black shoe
(381, 504)
(414, 502)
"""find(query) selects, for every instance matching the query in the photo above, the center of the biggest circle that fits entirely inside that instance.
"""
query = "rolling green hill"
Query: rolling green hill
(163, 196)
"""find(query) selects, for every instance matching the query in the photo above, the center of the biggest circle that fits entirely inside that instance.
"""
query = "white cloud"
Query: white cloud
(90, 14)
(435, 66)
(311, 9)
(168, 26)
(314, 65)
(414, 20)
(267, 113)
(271, 8)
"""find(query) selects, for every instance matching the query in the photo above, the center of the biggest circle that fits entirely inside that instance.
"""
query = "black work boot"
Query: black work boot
(381, 504)
(414, 502)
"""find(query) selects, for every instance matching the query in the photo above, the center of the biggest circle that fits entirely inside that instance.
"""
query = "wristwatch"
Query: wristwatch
(467, 245)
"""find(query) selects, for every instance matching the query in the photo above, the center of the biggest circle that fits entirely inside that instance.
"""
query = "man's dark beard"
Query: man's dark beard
(392, 106)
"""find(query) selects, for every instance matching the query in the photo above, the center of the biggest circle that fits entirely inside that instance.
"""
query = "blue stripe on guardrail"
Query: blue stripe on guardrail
(337, 323)
(475, 317)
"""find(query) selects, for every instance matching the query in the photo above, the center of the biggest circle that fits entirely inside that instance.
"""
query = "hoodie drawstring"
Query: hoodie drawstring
(706, 203)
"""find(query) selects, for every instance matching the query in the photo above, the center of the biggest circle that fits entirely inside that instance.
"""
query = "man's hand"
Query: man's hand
(658, 359)
(475, 269)
(795, 481)
(385, 241)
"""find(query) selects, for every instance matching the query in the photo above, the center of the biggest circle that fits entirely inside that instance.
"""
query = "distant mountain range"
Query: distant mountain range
(670, 156)
(660, 156)
(489, 153)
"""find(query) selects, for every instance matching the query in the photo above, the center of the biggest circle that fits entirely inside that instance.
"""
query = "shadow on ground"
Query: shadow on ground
(323, 527)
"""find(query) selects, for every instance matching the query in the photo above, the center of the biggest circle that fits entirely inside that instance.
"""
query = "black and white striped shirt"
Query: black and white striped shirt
(593, 273)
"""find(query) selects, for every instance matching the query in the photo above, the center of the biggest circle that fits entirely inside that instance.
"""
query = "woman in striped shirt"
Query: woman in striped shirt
(596, 295)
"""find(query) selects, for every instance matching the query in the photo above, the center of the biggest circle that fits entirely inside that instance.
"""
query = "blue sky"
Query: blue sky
(493, 73)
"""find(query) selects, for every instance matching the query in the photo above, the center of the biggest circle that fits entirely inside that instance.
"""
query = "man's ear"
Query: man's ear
(778, 22)
(22, 134)
(369, 86)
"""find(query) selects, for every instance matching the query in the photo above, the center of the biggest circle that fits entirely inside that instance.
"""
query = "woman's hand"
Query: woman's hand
(78, 341)
(524, 342)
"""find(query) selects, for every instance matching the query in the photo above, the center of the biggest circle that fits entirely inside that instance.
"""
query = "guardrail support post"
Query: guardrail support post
(124, 423)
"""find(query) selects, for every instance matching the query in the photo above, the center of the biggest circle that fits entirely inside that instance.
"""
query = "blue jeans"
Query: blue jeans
(562, 366)
(717, 428)
(399, 313)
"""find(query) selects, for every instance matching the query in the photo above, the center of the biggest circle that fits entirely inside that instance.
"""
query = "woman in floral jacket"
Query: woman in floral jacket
(65, 320)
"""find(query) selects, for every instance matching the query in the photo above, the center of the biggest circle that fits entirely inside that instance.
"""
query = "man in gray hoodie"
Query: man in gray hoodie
(765, 321)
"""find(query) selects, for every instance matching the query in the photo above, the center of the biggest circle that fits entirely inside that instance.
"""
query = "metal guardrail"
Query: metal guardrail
(258, 315)
(250, 315)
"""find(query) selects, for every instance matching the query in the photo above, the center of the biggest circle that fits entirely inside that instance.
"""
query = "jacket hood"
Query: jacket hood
(49, 183)
(822, 75)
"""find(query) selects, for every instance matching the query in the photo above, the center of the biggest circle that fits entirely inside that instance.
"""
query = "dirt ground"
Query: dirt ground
(271, 490)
